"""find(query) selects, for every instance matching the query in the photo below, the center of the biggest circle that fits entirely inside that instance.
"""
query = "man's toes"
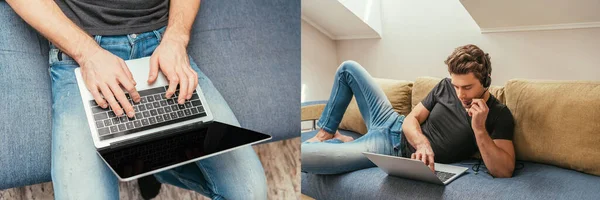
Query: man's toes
(349, 139)
(314, 139)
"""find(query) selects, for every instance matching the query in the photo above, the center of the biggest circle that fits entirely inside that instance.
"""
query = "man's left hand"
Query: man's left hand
(478, 112)
(172, 59)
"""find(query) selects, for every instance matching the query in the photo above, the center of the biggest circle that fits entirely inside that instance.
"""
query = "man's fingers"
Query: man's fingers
(195, 76)
(120, 96)
(431, 162)
(127, 72)
(153, 69)
(98, 97)
(183, 87)
(193, 83)
(413, 156)
(480, 103)
(424, 159)
(130, 88)
(483, 105)
(475, 108)
(108, 95)
(173, 81)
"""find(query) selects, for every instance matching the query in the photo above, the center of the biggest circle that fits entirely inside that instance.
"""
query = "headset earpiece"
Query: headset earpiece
(487, 81)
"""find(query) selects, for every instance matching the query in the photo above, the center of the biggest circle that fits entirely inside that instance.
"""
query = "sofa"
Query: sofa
(556, 138)
(250, 49)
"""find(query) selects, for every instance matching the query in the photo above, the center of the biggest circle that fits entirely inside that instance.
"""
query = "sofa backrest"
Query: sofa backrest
(556, 122)
(397, 91)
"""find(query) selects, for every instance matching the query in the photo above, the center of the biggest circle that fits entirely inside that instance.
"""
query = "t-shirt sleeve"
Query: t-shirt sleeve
(505, 126)
(431, 99)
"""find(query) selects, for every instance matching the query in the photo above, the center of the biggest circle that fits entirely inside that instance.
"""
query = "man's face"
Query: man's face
(467, 88)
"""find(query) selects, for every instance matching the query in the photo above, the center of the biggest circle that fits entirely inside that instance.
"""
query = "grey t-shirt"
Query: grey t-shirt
(448, 127)
(116, 17)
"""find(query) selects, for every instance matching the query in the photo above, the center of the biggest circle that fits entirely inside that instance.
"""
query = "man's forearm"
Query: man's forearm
(499, 162)
(412, 130)
(47, 18)
(181, 18)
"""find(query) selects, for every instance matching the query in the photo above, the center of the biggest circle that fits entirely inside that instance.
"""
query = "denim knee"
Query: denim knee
(349, 66)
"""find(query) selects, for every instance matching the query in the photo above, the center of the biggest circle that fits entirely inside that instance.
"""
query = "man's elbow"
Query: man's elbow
(408, 121)
(404, 124)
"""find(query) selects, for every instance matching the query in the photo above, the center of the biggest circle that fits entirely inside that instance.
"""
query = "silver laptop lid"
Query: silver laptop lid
(413, 169)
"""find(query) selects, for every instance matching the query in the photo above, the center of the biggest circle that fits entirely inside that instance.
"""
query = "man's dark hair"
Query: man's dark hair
(469, 58)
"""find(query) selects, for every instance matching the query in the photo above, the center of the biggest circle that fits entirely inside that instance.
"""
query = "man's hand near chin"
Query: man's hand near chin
(498, 154)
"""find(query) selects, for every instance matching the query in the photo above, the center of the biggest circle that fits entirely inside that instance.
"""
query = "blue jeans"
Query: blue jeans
(79, 173)
(383, 123)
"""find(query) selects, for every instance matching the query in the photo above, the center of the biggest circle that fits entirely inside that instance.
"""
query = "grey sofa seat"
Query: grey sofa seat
(533, 181)
(25, 108)
(250, 49)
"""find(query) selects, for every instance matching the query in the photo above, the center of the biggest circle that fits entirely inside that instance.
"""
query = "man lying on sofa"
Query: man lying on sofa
(457, 118)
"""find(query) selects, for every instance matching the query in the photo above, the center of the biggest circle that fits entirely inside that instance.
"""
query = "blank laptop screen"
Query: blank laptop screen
(142, 157)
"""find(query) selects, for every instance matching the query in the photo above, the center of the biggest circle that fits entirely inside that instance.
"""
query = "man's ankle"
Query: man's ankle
(324, 135)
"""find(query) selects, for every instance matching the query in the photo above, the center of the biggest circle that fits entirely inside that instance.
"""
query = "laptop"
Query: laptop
(163, 134)
(415, 169)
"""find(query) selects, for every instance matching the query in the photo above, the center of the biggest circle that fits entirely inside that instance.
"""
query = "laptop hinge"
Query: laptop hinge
(154, 136)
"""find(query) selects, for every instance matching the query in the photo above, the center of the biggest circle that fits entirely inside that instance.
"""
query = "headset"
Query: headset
(486, 81)
(487, 77)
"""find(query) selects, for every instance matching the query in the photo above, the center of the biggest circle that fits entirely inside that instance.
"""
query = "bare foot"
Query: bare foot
(343, 138)
(321, 136)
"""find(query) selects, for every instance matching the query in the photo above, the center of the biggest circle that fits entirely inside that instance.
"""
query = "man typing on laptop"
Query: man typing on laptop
(457, 118)
(98, 36)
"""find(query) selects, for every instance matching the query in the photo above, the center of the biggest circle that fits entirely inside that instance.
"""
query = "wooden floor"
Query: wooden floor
(281, 161)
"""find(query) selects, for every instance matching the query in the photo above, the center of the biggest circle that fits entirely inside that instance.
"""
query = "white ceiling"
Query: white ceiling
(498, 14)
(335, 20)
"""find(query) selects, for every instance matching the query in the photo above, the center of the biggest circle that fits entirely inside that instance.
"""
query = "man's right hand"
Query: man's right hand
(102, 71)
(424, 153)
(104, 74)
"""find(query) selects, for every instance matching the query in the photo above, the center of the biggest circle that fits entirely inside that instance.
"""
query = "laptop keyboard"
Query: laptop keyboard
(444, 176)
(153, 110)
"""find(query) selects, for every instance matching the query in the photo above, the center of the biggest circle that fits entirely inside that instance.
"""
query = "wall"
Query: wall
(419, 35)
(319, 63)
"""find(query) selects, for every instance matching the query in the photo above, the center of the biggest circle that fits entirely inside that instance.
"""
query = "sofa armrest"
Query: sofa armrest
(312, 110)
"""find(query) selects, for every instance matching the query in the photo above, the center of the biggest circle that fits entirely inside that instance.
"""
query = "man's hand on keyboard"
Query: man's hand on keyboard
(172, 59)
(425, 153)
(104, 74)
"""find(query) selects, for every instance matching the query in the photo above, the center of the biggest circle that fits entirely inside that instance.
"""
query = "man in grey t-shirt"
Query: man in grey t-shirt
(98, 36)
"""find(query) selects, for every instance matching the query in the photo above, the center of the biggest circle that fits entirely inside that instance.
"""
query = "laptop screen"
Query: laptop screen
(212, 138)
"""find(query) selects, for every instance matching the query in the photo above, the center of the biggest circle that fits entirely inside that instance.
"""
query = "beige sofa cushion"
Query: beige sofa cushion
(423, 85)
(397, 91)
(557, 122)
